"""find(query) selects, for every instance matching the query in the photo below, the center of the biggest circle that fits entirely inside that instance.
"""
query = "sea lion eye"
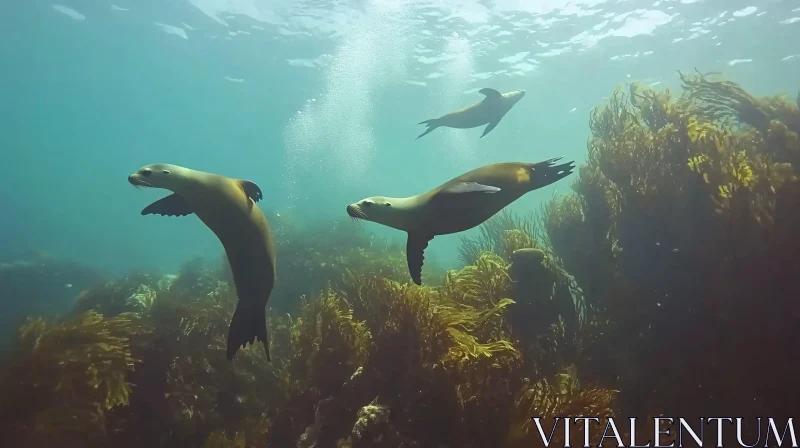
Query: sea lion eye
(146, 173)
(165, 171)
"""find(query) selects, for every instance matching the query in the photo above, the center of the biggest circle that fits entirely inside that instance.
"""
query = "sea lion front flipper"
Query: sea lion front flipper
(490, 93)
(172, 205)
(251, 190)
(470, 187)
(489, 128)
(432, 124)
(415, 255)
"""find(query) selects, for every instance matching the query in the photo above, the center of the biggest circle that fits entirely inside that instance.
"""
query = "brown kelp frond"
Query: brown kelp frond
(677, 215)
(449, 324)
(218, 439)
(502, 234)
(550, 400)
(65, 377)
(196, 368)
(463, 326)
(727, 102)
(481, 285)
(406, 311)
(133, 292)
(327, 344)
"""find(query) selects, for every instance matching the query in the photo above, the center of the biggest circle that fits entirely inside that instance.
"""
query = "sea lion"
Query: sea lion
(490, 111)
(227, 207)
(460, 204)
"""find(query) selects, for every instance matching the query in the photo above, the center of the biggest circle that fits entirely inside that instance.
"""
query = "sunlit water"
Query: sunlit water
(318, 102)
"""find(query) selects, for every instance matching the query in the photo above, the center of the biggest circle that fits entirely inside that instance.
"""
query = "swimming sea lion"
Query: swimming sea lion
(460, 204)
(227, 206)
(489, 111)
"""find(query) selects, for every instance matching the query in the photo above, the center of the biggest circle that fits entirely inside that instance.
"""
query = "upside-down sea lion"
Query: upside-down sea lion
(490, 111)
(460, 204)
(227, 206)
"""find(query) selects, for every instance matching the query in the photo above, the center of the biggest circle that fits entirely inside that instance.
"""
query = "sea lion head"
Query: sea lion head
(513, 97)
(379, 209)
(158, 175)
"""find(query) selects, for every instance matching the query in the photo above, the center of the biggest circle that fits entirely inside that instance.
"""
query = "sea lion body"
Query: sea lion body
(227, 207)
(489, 112)
(460, 204)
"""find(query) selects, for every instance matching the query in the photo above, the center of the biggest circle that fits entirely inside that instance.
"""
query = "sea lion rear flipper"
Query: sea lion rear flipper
(251, 190)
(490, 93)
(489, 128)
(247, 325)
(547, 172)
(415, 255)
(172, 205)
(470, 187)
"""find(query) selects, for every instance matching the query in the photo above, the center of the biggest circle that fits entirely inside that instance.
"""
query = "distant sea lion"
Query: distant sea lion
(489, 111)
(227, 206)
(460, 204)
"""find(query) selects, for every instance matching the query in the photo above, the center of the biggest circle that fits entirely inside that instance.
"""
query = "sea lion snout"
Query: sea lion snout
(136, 180)
(354, 211)
(515, 95)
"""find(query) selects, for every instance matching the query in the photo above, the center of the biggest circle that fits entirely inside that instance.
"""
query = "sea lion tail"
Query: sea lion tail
(432, 124)
(247, 325)
(547, 172)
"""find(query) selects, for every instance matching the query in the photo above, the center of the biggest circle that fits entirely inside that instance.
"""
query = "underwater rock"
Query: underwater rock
(334, 413)
(142, 300)
(535, 290)
(372, 420)
(309, 438)
(522, 259)
(167, 281)
(372, 429)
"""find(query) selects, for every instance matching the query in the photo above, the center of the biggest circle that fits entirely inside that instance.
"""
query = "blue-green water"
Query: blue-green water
(317, 102)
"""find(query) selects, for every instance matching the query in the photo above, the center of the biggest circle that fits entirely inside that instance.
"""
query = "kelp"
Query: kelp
(39, 284)
(66, 378)
(639, 293)
(554, 399)
(681, 214)
(366, 360)
(502, 234)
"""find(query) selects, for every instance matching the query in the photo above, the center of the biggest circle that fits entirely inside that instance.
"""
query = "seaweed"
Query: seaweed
(674, 219)
(641, 292)
(66, 378)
